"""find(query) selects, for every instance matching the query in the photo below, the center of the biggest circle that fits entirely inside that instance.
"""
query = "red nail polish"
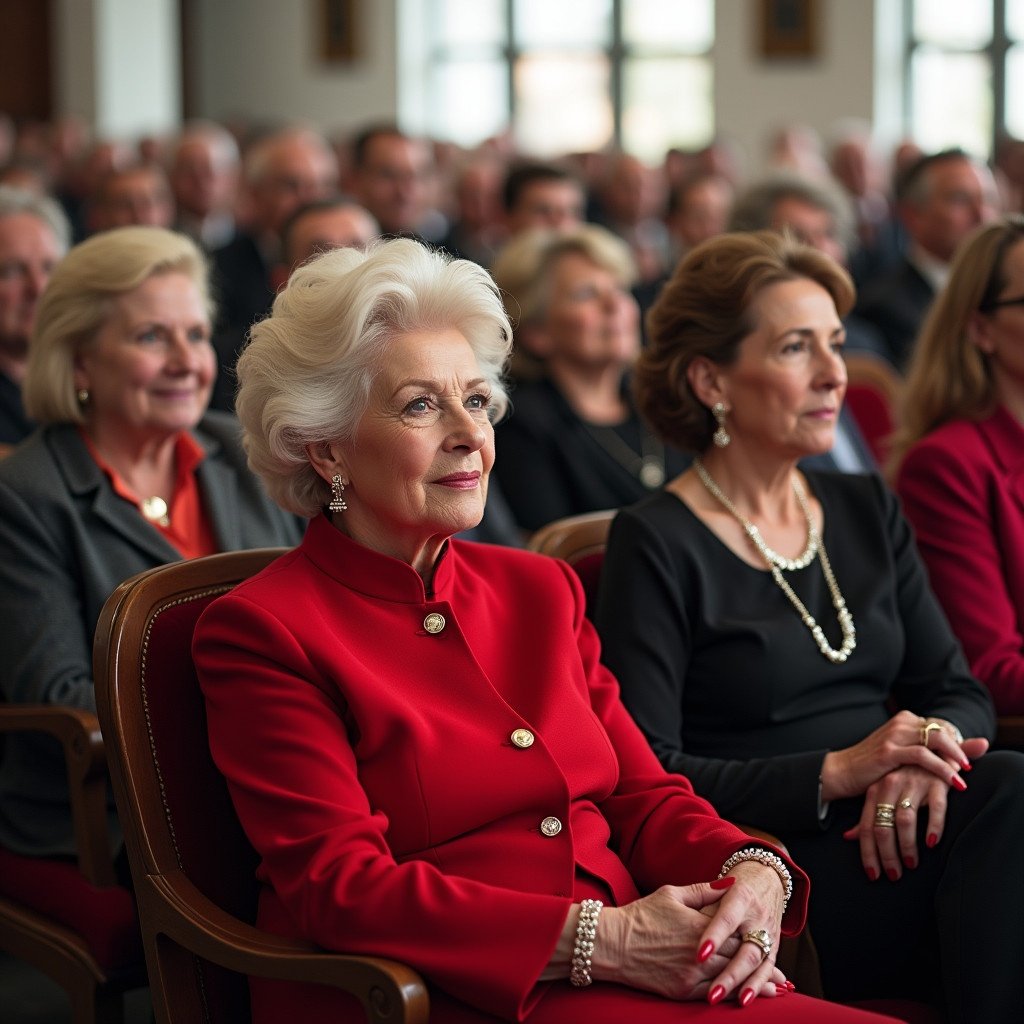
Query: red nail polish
(892, 874)
(872, 874)
(967, 766)
(910, 862)
(781, 989)
(746, 997)
(716, 995)
(957, 783)
(705, 951)
(722, 883)
(790, 985)
(931, 840)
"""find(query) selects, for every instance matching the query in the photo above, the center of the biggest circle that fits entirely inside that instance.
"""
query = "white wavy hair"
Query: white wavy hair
(305, 376)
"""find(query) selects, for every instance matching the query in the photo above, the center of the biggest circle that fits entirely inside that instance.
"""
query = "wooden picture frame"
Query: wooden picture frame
(337, 31)
(789, 29)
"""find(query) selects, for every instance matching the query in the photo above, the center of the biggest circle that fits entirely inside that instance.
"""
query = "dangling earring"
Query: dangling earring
(337, 502)
(721, 435)
(82, 394)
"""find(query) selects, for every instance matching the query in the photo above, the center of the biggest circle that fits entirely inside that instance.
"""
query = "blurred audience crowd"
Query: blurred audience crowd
(260, 201)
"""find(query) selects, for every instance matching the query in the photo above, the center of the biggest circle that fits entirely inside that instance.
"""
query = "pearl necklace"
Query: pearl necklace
(776, 563)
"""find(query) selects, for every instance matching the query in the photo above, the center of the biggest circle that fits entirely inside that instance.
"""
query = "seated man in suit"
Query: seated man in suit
(392, 176)
(941, 199)
(34, 235)
(282, 171)
(203, 174)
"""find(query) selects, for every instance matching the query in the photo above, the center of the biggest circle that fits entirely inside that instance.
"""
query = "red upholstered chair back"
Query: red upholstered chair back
(580, 541)
(873, 396)
(192, 866)
(182, 824)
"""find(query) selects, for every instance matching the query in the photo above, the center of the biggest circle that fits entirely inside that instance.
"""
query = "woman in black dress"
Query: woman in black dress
(775, 638)
(574, 442)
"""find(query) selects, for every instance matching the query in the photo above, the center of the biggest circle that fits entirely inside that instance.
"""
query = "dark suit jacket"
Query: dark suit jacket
(66, 541)
(244, 294)
(963, 491)
(15, 426)
(896, 303)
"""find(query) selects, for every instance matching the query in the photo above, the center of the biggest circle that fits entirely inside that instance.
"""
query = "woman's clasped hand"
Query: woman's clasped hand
(919, 761)
(664, 942)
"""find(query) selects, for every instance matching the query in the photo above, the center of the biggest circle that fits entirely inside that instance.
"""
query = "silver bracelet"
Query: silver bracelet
(769, 860)
(583, 950)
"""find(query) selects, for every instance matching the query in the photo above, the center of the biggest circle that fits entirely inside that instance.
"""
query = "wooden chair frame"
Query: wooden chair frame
(179, 922)
(96, 994)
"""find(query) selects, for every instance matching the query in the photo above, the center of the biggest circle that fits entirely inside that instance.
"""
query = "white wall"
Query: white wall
(117, 64)
(754, 97)
(258, 59)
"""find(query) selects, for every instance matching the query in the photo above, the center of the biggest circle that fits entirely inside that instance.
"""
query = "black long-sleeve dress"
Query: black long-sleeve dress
(731, 690)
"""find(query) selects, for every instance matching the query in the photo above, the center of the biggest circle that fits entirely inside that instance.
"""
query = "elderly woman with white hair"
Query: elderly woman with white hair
(126, 471)
(574, 442)
(417, 732)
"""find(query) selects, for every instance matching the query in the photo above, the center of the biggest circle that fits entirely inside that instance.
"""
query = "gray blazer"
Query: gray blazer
(66, 541)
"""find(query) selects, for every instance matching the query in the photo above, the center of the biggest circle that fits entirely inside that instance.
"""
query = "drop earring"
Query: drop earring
(721, 435)
(337, 502)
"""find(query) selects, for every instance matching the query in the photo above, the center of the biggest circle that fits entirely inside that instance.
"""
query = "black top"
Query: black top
(551, 464)
(15, 426)
(896, 303)
(726, 681)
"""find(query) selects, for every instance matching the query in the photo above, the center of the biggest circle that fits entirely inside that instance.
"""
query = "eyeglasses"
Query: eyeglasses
(999, 303)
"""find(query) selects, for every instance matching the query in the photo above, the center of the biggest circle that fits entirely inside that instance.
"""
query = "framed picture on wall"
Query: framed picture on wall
(337, 30)
(789, 28)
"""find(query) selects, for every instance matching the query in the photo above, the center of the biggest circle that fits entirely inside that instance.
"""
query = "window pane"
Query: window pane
(1015, 91)
(563, 104)
(957, 23)
(685, 25)
(579, 24)
(1015, 20)
(952, 101)
(666, 103)
(469, 123)
(476, 23)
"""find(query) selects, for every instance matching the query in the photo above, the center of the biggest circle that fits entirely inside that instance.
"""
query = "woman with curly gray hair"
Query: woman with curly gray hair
(417, 733)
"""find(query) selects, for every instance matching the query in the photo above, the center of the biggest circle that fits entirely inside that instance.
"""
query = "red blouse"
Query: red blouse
(187, 525)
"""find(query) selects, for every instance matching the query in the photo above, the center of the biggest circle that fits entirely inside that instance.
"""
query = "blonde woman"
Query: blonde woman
(127, 471)
(960, 455)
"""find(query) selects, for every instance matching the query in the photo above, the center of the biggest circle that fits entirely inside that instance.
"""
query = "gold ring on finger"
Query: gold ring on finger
(885, 815)
(760, 937)
(926, 731)
(906, 804)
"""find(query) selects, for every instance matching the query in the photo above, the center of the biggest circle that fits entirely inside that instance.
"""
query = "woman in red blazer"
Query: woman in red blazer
(418, 735)
(960, 455)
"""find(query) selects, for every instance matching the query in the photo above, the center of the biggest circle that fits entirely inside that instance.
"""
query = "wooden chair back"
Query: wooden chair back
(192, 865)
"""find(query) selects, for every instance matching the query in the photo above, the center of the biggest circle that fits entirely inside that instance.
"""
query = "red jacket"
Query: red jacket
(372, 764)
(962, 488)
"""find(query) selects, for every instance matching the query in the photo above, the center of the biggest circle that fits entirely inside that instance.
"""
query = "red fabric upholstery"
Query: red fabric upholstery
(870, 408)
(588, 568)
(105, 918)
(194, 790)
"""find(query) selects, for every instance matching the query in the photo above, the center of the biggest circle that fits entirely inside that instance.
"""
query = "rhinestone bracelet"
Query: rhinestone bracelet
(769, 860)
(586, 929)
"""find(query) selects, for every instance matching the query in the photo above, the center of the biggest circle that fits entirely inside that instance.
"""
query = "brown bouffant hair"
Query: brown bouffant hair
(705, 310)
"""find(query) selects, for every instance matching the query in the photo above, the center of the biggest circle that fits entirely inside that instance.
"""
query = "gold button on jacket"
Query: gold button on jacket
(551, 826)
(434, 622)
(522, 738)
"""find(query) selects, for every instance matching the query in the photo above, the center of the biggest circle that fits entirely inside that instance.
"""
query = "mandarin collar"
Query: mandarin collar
(369, 572)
